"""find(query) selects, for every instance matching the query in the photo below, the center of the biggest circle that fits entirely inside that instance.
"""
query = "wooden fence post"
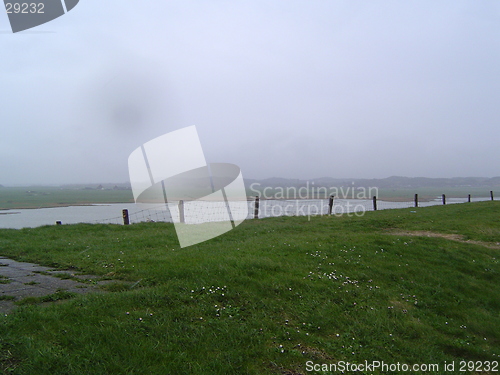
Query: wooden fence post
(330, 204)
(416, 200)
(444, 199)
(126, 220)
(491, 194)
(374, 203)
(256, 208)
(181, 211)
(468, 198)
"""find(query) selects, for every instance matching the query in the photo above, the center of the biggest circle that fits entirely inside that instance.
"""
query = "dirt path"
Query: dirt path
(19, 280)
(453, 237)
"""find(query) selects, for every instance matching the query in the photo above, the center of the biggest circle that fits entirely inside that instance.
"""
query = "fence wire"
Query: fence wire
(194, 212)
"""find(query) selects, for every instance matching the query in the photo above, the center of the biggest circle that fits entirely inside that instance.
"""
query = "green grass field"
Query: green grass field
(47, 196)
(51, 196)
(267, 297)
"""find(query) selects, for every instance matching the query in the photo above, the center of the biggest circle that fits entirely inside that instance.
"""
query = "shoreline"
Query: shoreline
(57, 206)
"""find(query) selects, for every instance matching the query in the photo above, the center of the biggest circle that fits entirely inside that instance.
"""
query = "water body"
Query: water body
(21, 218)
(112, 213)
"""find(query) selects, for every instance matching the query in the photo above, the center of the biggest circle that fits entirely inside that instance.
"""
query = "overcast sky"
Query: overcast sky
(296, 89)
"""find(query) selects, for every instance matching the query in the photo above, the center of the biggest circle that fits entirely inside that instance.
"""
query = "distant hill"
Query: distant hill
(393, 182)
(99, 186)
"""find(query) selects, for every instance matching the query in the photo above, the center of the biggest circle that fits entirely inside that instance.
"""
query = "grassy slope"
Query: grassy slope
(265, 297)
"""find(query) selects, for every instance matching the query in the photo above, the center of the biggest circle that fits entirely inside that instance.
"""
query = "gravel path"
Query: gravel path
(19, 280)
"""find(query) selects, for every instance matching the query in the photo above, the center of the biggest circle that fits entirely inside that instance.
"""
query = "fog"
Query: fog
(294, 89)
